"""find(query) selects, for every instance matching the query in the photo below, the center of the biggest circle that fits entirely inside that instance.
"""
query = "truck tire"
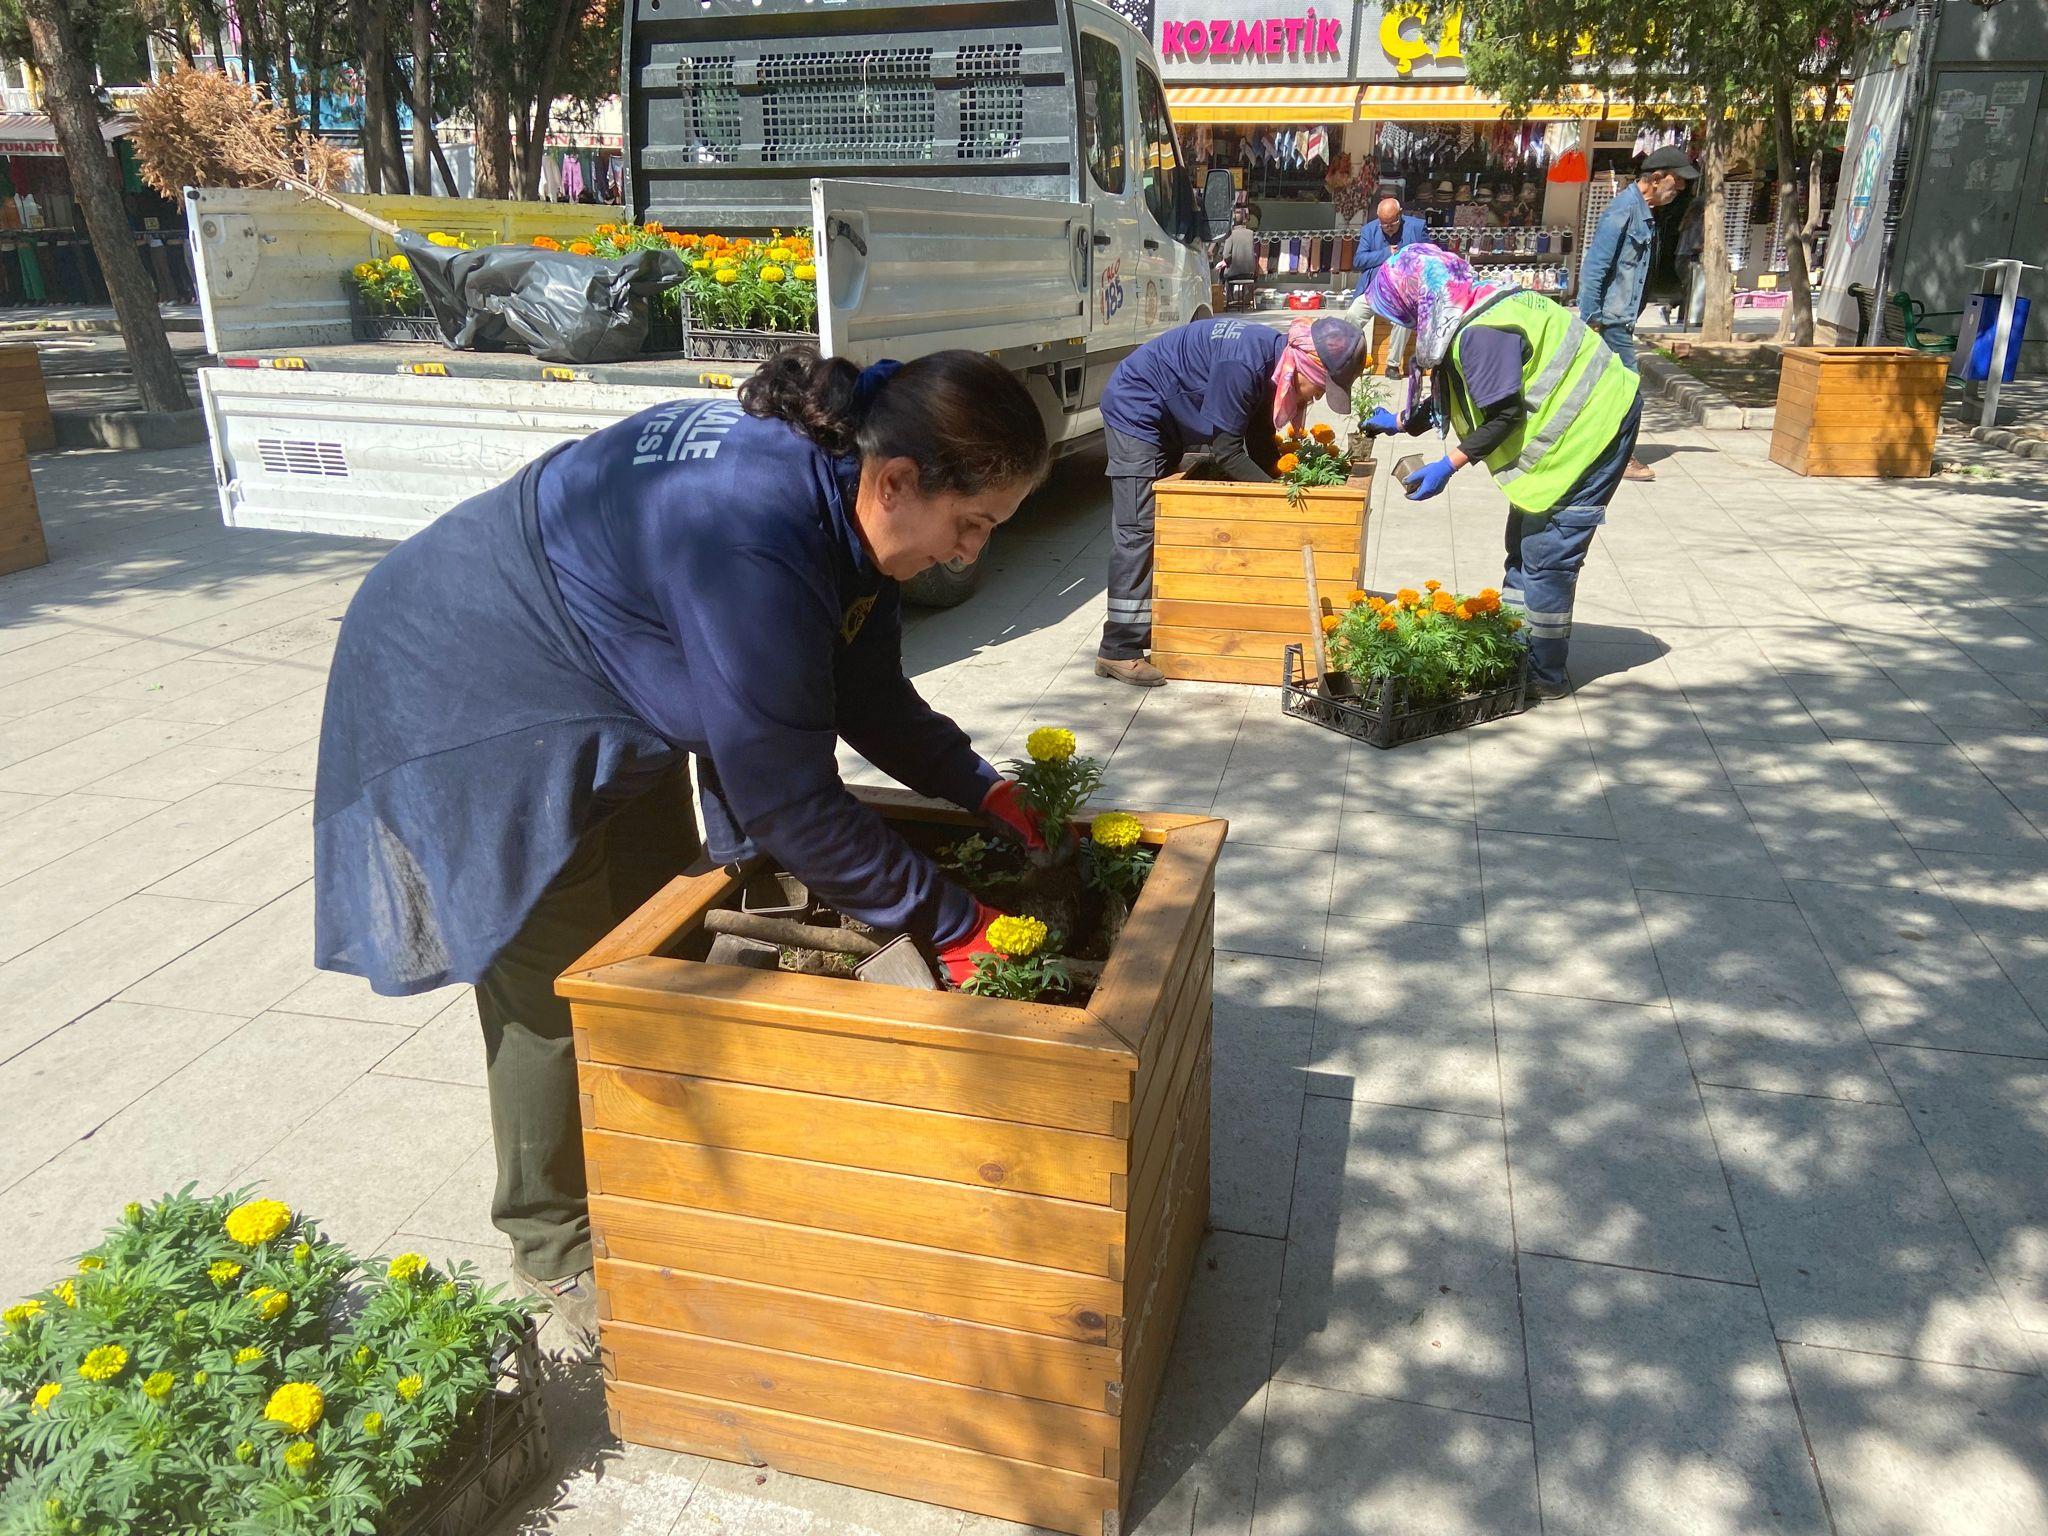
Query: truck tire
(944, 586)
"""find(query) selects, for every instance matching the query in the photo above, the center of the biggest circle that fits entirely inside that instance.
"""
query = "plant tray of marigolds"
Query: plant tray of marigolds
(1413, 664)
(218, 1366)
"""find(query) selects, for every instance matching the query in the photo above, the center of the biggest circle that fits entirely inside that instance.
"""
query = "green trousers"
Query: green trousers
(542, 1201)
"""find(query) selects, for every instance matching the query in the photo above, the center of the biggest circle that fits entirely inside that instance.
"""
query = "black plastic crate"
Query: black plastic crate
(506, 1452)
(1381, 715)
(367, 324)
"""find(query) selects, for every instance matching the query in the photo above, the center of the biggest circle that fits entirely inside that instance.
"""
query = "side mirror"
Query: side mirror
(1219, 196)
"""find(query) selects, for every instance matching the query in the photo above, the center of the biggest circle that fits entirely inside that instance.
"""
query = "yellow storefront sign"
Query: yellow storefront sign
(1403, 41)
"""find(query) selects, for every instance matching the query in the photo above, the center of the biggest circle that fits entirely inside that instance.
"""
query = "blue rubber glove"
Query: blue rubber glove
(1430, 480)
(1381, 422)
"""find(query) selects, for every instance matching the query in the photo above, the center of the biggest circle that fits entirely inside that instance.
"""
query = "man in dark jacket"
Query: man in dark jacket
(1389, 231)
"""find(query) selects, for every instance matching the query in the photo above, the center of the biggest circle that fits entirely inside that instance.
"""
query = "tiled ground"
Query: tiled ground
(1630, 1118)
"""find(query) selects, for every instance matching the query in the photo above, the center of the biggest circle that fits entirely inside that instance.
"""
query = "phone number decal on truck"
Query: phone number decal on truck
(1112, 289)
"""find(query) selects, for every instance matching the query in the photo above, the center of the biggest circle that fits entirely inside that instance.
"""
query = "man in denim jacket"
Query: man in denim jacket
(1617, 264)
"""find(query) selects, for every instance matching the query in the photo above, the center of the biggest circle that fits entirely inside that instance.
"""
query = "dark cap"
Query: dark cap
(1341, 346)
(1674, 160)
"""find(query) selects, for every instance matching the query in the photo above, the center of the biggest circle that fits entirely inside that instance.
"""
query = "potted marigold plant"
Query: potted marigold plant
(218, 1365)
(1413, 664)
(1228, 587)
(834, 1219)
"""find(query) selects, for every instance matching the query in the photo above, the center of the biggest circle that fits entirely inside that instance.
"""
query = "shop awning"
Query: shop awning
(1263, 103)
(31, 133)
(1457, 104)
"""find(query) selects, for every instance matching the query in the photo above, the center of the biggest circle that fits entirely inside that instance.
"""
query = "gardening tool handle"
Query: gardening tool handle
(1315, 610)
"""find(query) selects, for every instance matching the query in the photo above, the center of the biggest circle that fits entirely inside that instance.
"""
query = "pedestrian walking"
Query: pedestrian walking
(1227, 385)
(1615, 274)
(519, 688)
(1537, 397)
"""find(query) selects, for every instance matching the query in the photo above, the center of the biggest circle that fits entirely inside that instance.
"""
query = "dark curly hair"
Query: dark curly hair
(966, 421)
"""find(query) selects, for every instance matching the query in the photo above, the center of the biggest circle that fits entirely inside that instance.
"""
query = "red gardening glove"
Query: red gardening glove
(1005, 803)
(957, 960)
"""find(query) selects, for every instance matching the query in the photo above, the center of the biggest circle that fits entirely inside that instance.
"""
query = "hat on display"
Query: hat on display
(1673, 160)
(1483, 195)
(1444, 189)
(1342, 349)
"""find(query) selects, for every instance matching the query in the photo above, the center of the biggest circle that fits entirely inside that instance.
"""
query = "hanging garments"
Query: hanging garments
(551, 177)
(572, 178)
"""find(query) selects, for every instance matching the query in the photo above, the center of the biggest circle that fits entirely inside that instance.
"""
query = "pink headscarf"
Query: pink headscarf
(1428, 291)
(1299, 361)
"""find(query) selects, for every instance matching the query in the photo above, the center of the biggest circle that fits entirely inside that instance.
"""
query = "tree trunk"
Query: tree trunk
(394, 92)
(287, 77)
(491, 104)
(422, 95)
(1717, 320)
(1795, 323)
(441, 162)
(66, 69)
(316, 69)
(379, 113)
(255, 48)
(541, 111)
(359, 20)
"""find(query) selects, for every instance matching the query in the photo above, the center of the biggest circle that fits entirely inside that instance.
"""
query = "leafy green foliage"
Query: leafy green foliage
(1056, 789)
(175, 1440)
(1440, 645)
(1116, 871)
(1024, 980)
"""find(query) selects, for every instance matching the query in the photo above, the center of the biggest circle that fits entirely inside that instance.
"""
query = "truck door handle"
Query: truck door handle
(1103, 242)
(1151, 245)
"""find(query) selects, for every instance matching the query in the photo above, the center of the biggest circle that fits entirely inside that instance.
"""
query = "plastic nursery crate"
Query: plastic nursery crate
(506, 1455)
(1381, 716)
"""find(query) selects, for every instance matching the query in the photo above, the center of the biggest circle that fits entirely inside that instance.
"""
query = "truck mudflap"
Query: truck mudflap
(905, 270)
(383, 455)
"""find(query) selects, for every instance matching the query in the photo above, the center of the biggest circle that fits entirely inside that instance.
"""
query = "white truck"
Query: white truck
(999, 177)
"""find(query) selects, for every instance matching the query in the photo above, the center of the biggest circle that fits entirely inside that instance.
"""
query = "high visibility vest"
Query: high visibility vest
(1576, 392)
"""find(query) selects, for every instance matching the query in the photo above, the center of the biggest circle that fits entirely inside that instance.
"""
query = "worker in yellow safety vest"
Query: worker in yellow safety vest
(1536, 396)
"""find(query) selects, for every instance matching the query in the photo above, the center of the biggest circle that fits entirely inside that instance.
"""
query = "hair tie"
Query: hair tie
(871, 380)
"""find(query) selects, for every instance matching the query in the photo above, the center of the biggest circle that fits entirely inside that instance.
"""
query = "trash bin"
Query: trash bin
(1979, 333)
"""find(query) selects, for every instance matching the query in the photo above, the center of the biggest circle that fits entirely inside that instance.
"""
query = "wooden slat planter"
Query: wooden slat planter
(22, 391)
(922, 1243)
(1228, 595)
(1858, 411)
(21, 525)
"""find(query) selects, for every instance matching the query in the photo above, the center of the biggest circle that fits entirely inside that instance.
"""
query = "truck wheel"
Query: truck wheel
(944, 586)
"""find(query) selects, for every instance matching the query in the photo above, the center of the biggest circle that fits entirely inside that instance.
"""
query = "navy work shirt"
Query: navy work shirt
(710, 558)
(1197, 382)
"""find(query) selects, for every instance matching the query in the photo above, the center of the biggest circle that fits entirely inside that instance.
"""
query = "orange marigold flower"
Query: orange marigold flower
(1443, 602)
(1408, 597)
(689, 242)
(1489, 595)
(547, 242)
(651, 227)
(607, 229)
(1289, 462)
(1323, 433)
(1431, 586)
(1358, 597)
(1330, 622)
(1388, 624)
(582, 248)
(1462, 611)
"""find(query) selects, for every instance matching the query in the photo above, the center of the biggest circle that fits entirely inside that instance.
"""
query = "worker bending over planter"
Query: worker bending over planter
(1535, 396)
(519, 687)
(1228, 386)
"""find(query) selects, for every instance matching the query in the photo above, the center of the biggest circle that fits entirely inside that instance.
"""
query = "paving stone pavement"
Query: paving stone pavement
(1630, 1118)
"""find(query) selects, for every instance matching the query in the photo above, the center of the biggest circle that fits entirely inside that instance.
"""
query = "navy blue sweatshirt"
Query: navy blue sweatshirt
(1206, 382)
(711, 560)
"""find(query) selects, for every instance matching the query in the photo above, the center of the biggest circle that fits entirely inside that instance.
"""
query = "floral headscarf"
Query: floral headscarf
(1299, 361)
(1428, 291)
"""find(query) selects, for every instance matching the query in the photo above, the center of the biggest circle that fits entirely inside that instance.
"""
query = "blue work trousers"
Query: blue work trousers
(1546, 551)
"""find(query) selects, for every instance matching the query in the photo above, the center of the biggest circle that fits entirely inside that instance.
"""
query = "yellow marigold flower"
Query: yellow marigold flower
(299, 1457)
(90, 1263)
(701, 264)
(257, 1221)
(270, 1304)
(1050, 744)
(1289, 462)
(157, 1385)
(1116, 830)
(20, 1315)
(1330, 623)
(779, 252)
(373, 1425)
(248, 1354)
(223, 1271)
(1015, 938)
(46, 1394)
(362, 1356)
(806, 273)
(771, 273)
(1443, 602)
(725, 275)
(365, 270)
(104, 1363)
(1408, 597)
(437, 237)
(402, 262)
(1323, 433)
(582, 248)
(407, 1266)
(66, 1292)
(409, 1387)
(1388, 624)
(245, 1453)
(1431, 586)
(297, 1405)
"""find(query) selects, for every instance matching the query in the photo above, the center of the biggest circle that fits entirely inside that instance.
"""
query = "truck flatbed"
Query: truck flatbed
(422, 357)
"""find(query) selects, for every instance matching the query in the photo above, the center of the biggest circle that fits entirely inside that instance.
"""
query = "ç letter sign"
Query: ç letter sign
(1277, 37)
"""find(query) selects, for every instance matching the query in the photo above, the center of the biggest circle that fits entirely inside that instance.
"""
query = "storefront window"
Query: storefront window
(1102, 107)
(1162, 160)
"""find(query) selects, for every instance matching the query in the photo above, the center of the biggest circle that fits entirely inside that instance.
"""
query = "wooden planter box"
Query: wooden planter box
(1858, 410)
(21, 526)
(1228, 595)
(21, 390)
(922, 1243)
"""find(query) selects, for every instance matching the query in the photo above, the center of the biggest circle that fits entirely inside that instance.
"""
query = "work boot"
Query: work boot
(570, 1326)
(1638, 470)
(1137, 671)
(1542, 693)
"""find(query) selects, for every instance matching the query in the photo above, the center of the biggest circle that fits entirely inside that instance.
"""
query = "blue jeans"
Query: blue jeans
(1546, 551)
(1621, 341)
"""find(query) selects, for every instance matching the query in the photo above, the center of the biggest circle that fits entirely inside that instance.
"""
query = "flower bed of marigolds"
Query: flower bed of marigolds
(218, 1366)
(740, 297)
(1412, 664)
